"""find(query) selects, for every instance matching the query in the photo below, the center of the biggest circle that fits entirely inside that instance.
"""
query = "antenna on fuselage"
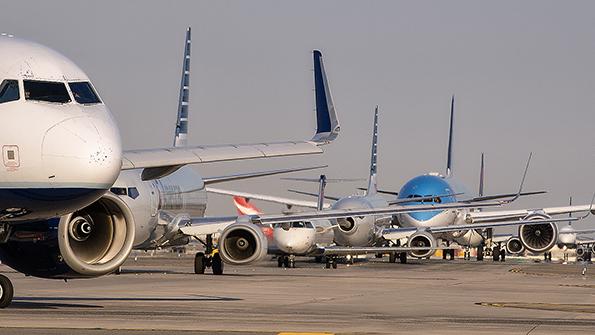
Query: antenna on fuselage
(181, 135)
(450, 134)
(372, 184)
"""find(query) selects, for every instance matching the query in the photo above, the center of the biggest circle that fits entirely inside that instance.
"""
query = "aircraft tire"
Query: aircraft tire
(392, 257)
(334, 265)
(403, 257)
(280, 261)
(199, 263)
(6, 291)
(217, 264)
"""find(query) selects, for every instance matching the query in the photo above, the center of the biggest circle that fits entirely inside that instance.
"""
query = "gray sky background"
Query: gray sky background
(523, 73)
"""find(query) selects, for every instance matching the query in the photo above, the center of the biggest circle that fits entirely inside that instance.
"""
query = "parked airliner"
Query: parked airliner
(57, 218)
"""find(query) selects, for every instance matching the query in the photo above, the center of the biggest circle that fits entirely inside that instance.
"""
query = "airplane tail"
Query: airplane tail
(321, 187)
(372, 183)
(181, 135)
(481, 177)
(244, 207)
(327, 124)
(450, 134)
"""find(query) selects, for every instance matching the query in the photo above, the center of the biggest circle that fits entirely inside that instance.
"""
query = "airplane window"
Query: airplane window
(118, 190)
(133, 192)
(46, 91)
(309, 225)
(297, 225)
(83, 93)
(9, 91)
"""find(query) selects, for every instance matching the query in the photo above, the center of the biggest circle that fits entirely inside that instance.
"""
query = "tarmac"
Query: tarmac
(161, 295)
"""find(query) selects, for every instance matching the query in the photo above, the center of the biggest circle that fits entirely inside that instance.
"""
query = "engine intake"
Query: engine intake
(97, 239)
(539, 237)
(422, 240)
(514, 245)
(242, 243)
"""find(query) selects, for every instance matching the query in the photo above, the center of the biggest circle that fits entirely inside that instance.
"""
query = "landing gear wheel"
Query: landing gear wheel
(199, 263)
(502, 255)
(496, 254)
(217, 264)
(403, 257)
(392, 257)
(286, 261)
(334, 265)
(480, 253)
(6, 291)
(280, 261)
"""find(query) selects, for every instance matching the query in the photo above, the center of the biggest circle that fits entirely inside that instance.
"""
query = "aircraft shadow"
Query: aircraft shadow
(49, 302)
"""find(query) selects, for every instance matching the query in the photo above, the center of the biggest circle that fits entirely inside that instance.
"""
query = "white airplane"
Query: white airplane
(290, 239)
(57, 219)
(358, 234)
(568, 238)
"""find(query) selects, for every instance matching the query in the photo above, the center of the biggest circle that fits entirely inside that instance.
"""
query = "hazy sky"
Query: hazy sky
(523, 73)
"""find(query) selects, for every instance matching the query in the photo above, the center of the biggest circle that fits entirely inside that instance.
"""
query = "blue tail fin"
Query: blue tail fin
(181, 136)
(327, 124)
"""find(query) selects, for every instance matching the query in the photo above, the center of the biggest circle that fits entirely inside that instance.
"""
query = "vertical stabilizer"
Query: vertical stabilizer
(450, 134)
(181, 135)
(327, 124)
(321, 187)
(372, 184)
(481, 176)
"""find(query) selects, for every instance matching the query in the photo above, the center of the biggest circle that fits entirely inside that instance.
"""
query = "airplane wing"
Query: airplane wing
(157, 163)
(268, 198)
(492, 216)
(209, 225)
(397, 233)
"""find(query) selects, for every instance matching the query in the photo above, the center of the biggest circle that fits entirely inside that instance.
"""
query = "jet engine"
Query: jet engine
(421, 240)
(90, 242)
(539, 237)
(514, 245)
(581, 252)
(242, 244)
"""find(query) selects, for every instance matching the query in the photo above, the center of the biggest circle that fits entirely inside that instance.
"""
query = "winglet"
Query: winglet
(180, 139)
(372, 184)
(522, 182)
(450, 134)
(327, 124)
(590, 209)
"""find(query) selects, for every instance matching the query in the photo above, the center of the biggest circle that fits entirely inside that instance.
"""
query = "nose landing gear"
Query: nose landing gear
(208, 259)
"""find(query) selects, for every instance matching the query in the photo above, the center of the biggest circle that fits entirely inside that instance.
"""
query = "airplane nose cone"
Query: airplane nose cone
(82, 151)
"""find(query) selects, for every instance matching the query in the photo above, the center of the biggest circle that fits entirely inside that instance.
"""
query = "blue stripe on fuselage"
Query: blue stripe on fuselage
(422, 186)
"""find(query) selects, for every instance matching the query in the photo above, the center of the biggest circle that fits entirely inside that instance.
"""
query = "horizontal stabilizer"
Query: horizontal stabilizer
(240, 176)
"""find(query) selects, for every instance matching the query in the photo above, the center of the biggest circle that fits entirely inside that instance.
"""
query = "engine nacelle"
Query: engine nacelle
(514, 245)
(539, 237)
(242, 244)
(97, 239)
(90, 242)
(422, 240)
(581, 252)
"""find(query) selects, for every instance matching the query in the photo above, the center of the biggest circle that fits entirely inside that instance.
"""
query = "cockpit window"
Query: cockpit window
(9, 91)
(83, 93)
(46, 91)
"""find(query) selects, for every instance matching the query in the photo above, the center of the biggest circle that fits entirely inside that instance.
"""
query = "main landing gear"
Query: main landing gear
(401, 256)
(331, 262)
(286, 261)
(208, 259)
(6, 291)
